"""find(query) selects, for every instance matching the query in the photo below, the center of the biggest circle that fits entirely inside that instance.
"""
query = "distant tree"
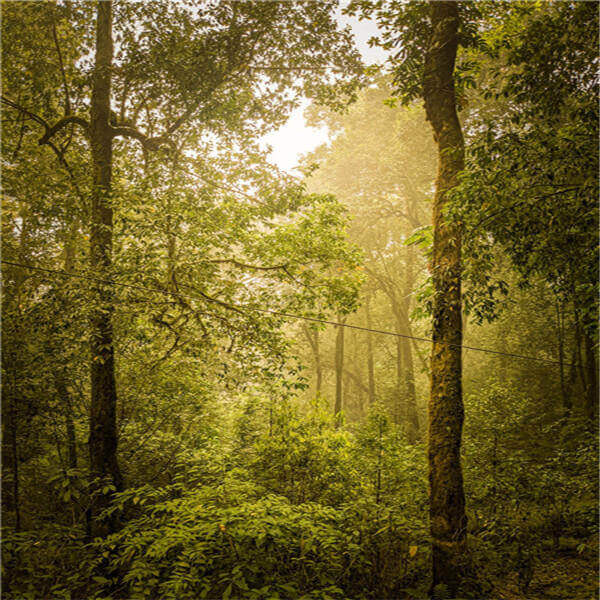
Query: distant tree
(427, 36)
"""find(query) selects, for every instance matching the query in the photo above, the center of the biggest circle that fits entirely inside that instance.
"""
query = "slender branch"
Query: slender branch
(59, 154)
(31, 115)
(62, 68)
(52, 131)
(149, 143)
(242, 265)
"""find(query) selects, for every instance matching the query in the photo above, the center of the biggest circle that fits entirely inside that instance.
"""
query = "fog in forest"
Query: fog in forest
(300, 300)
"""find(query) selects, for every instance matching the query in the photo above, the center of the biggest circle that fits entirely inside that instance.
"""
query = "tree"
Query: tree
(103, 408)
(448, 521)
(390, 158)
(339, 366)
(427, 35)
(214, 80)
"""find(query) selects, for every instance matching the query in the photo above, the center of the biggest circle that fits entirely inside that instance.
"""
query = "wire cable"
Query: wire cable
(241, 308)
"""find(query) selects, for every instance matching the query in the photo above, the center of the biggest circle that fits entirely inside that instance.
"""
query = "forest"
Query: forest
(370, 376)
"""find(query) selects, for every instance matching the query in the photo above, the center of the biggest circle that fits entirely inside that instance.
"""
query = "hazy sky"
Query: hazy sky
(295, 138)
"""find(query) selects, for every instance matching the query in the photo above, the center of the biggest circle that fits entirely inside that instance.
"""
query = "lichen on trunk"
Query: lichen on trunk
(447, 502)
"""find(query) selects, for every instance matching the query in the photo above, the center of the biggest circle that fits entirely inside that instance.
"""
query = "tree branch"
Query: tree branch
(48, 142)
(242, 265)
(52, 131)
(148, 143)
(62, 67)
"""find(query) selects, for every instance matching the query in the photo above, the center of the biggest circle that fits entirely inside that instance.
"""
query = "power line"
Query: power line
(241, 308)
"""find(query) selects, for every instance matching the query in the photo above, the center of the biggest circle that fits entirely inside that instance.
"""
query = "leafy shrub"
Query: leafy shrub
(45, 563)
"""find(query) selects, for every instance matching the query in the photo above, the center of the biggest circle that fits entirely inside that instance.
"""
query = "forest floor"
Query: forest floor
(559, 578)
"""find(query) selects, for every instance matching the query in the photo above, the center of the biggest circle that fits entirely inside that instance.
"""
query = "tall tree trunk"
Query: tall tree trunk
(448, 522)
(587, 364)
(339, 366)
(406, 373)
(370, 362)
(412, 415)
(103, 426)
(564, 387)
(12, 364)
(62, 374)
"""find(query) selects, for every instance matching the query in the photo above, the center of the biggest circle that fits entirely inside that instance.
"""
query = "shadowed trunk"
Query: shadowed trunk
(448, 521)
(564, 385)
(103, 427)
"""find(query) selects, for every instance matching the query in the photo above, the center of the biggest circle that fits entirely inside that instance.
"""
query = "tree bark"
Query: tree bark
(339, 366)
(448, 522)
(103, 426)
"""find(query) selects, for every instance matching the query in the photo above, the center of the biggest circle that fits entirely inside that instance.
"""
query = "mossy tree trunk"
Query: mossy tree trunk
(103, 424)
(447, 502)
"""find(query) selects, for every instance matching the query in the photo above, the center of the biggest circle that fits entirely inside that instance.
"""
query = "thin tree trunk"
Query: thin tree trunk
(103, 426)
(370, 361)
(448, 522)
(318, 366)
(12, 365)
(406, 374)
(412, 416)
(564, 387)
(339, 366)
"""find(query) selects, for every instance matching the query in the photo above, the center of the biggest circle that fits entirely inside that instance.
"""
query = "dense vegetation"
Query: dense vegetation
(223, 381)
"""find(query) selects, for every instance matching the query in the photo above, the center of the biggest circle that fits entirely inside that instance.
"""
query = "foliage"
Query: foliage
(239, 480)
